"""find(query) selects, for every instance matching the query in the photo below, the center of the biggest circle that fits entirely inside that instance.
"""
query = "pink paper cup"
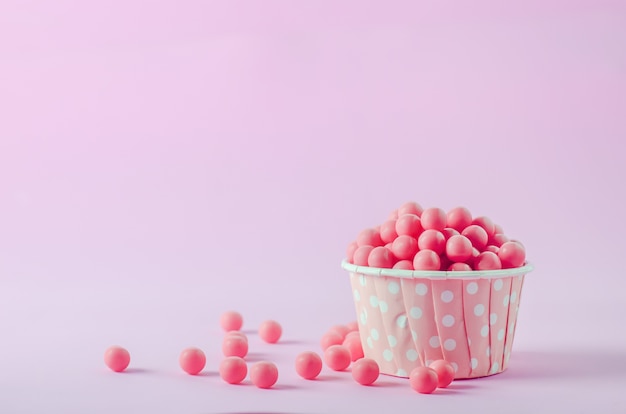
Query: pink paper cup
(411, 318)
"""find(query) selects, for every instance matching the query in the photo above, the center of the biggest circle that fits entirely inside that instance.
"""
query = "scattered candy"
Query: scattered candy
(330, 339)
(354, 346)
(116, 358)
(352, 326)
(238, 334)
(234, 345)
(233, 369)
(423, 380)
(231, 321)
(365, 371)
(192, 360)
(270, 331)
(337, 357)
(445, 372)
(308, 365)
(264, 374)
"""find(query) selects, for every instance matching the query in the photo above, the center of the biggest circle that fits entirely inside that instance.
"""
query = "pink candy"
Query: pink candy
(233, 370)
(337, 357)
(192, 360)
(234, 345)
(408, 239)
(329, 339)
(308, 365)
(116, 358)
(365, 371)
(434, 218)
(270, 331)
(445, 372)
(352, 343)
(511, 254)
(381, 257)
(231, 321)
(423, 380)
(409, 225)
(426, 260)
(264, 374)
(404, 247)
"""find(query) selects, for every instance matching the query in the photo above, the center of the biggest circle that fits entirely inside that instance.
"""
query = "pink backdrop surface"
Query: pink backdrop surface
(161, 162)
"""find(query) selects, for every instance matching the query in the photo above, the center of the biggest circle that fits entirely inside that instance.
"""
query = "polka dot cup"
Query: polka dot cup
(411, 318)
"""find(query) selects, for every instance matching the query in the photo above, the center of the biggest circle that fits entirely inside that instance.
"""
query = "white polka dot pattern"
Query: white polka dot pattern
(405, 323)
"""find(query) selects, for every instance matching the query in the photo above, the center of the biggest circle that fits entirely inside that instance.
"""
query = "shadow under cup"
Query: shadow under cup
(411, 318)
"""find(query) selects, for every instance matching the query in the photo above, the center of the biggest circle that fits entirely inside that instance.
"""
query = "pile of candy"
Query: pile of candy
(341, 347)
(414, 238)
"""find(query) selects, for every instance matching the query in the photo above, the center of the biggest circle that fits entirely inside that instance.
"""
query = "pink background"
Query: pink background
(161, 162)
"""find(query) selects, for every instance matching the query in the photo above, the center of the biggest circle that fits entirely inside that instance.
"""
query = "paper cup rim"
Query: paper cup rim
(438, 274)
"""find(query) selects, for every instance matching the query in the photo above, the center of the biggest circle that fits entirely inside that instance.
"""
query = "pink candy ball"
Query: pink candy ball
(352, 326)
(498, 240)
(433, 218)
(308, 365)
(409, 225)
(238, 334)
(337, 357)
(426, 260)
(192, 360)
(445, 372)
(404, 265)
(264, 374)
(459, 267)
(404, 247)
(432, 240)
(487, 261)
(477, 235)
(233, 370)
(393, 215)
(369, 237)
(492, 249)
(116, 358)
(410, 207)
(458, 218)
(231, 321)
(365, 371)
(486, 224)
(497, 229)
(234, 345)
(448, 232)
(342, 330)
(423, 380)
(361, 255)
(388, 231)
(381, 257)
(350, 252)
(458, 248)
(270, 331)
(330, 339)
(512, 254)
(354, 346)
